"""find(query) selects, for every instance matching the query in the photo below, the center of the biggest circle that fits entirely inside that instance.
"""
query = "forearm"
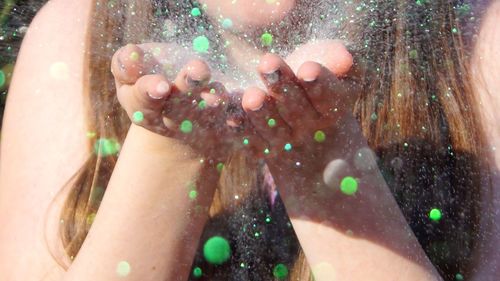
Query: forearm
(147, 218)
(363, 236)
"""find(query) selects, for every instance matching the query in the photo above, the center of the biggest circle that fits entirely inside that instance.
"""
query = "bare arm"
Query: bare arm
(146, 220)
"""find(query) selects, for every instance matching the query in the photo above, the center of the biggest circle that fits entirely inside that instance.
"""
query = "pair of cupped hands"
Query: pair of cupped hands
(293, 123)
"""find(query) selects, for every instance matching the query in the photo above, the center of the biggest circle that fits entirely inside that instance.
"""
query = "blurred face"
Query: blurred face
(249, 13)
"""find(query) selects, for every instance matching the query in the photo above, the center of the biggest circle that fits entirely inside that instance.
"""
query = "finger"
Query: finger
(194, 76)
(127, 64)
(327, 93)
(263, 114)
(144, 101)
(291, 101)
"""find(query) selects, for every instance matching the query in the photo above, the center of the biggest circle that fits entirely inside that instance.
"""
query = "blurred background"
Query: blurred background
(15, 17)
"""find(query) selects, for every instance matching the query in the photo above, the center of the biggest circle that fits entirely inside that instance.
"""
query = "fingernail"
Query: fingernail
(309, 79)
(161, 90)
(272, 77)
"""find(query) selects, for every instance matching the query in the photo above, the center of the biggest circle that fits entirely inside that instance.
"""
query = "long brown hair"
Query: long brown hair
(417, 111)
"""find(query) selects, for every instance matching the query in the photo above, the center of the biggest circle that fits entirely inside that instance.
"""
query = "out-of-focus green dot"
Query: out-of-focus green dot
(201, 44)
(202, 104)
(193, 194)
(123, 269)
(138, 117)
(413, 54)
(186, 127)
(349, 185)
(319, 136)
(454, 30)
(217, 250)
(246, 141)
(435, 214)
(227, 23)
(106, 147)
(195, 12)
(134, 56)
(288, 147)
(266, 151)
(268, 219)
(271, 122)
(267, 39)
(459, 277)
(197, 272)
(280, 271)
(2, 78)
(220, 166)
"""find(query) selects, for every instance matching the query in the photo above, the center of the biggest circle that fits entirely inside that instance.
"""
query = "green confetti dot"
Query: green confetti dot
(454, 30)
(197, 272)
(267, 39)
(134, 56)
(202, 104)
(319, 136)
(242, 265)
(123, 269)
(106, 147)
(349, 185)
(195, 12)
(186, 127)
(193, 194)
(266, 151)
(2, 78)
(435, 214)
(138, 117)
(413, 54)
(220, 166)
(374, 116)
(268, 219)
(288, 147)
(91, 218)
(271, 122)
(459, 277)
(280, 271)
(217, 250)
(246, 141)
(201, 44)
(257, 234)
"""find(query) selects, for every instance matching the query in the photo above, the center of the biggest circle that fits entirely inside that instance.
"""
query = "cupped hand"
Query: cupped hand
(305, 118)
(173, 96)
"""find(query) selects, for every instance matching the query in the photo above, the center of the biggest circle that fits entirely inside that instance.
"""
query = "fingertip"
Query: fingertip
(198, 70)
(253, 99)
(161, 90)
(269, 63)
(309, 71)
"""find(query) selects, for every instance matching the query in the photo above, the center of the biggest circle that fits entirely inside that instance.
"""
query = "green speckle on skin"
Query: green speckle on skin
(271, 122)
(287, 147)
(123, 269)
(138, 117)
(246, 141)
(266, 151)
(349, 185)
(201, 44)
(106, 147)
(202, 104)
(193, 194)
(319, 136)
(186, 127)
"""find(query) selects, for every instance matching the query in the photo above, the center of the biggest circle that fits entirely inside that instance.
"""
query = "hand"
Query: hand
(306, 120)
(189, 108)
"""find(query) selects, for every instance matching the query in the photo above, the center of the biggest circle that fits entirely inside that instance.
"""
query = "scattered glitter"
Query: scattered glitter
(123, 269)
(201, 44)
(271, 122)
(134, 56)
(349, 185)
(280, 271)
(193, 194)
(459, 277)
(288, 147)
(2, 79)
(195, 12)
(227, 23)
(91, 218)
(266, 151)
(138, 117)
(197, 272)
(220, 166)
(217, 250)
(246, 141)
(319, 136)
(106, 147)
(59, 71)
(435, 214)
(267, 39)
(186, 127)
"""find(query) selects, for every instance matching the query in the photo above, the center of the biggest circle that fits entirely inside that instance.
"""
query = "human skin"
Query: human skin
(140, 149)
